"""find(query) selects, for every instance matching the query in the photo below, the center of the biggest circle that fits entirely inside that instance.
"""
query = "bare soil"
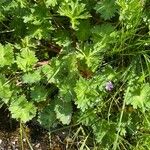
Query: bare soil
(33, 135)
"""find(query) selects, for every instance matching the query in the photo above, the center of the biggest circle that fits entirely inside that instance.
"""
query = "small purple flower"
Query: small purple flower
(109, 86)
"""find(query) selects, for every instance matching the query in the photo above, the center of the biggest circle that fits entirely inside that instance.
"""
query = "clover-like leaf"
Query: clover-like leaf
(51, 3)
(107, 8)
(51, 70)
(63, 110)
(6, 55)
(74, 11)
(83, 32)
(91, 57)
(138, 97)
(26, 60)
(31, 77)
(105, 132)
(86, 93)
(47, 116)
(21, 109)
(39, 93)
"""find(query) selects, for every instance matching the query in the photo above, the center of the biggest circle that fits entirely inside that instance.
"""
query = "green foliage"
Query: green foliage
(105, 132)
(39, 93)
(90, 56)
(63, 111)
(6, 55)
(139, 96)
(83, 33)
(62, 38)
(31, 77)
(66, 62)
(74, 11)
(50, 3)
(37, 21)
(86, 94)
(26, 60)
(5, 89)
(47, 117)
(21, 109)
(130, 12)
(103, 31)
(107, 8)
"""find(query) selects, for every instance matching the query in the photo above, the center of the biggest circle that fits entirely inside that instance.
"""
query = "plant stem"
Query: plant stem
(21, 136)
(115, 144)
(27, 139)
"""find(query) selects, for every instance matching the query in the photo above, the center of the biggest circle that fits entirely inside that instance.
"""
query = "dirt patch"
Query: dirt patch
(33, 135)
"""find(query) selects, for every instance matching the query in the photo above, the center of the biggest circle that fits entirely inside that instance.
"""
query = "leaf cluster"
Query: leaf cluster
(81, 62)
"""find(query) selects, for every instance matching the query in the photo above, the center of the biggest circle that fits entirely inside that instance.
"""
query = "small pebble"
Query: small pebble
(37, 145)
(0, 141)
(13, 142)
(24, 140)
(63, 133)
(16, 139)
